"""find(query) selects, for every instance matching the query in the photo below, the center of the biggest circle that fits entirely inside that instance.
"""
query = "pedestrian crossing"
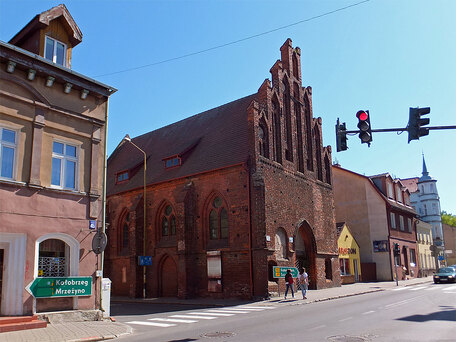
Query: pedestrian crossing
(447, 288)
(197, 316)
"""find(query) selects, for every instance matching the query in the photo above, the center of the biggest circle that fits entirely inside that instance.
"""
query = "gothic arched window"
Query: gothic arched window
(308, 119)
(276, 131)
(295, 66)
(218, 220)
(123, 234)
(263, 141)
(168, 221)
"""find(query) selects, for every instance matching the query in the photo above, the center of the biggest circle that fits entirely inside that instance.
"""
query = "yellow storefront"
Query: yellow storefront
(349, 260)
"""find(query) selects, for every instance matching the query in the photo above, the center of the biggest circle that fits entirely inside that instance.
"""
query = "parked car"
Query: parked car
(445, 274)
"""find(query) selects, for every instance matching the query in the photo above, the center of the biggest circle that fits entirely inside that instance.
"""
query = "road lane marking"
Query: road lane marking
(399, 289)
(193, 316)
(317, 327)
(345, 319)
(172, 320)
(402, 302)
(453, 287)
(368, 312)
(162, 325)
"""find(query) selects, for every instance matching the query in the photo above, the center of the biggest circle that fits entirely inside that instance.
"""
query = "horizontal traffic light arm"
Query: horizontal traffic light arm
(403, 129)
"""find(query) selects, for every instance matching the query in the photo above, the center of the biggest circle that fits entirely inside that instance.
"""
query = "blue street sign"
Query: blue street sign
(441, 257)
(144, 260)
(92, 224)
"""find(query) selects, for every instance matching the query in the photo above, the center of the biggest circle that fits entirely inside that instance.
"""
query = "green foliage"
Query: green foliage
(448, 219)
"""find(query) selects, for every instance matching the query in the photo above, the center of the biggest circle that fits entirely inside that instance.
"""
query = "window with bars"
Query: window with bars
(52, 259)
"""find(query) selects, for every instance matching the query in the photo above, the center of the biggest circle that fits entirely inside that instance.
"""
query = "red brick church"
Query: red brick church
(230, 193)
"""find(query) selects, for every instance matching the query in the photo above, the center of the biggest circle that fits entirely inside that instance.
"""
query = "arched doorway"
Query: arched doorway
(168, 278)
(305, 248)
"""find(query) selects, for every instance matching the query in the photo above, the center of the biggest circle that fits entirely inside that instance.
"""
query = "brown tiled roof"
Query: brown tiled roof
(211, 140)
(411, 184)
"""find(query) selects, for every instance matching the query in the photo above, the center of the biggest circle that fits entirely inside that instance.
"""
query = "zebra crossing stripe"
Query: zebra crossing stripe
(450, 288)
(257, 307)
(172, 320)
(230, 311)
(399, 289)
(162, 325)
(418, 288)
(431, 288)
(211, 314)
(193, 316)
(244, 309)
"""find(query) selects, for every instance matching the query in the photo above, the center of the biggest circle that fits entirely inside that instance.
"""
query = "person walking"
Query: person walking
(303, 281)
(289, 283)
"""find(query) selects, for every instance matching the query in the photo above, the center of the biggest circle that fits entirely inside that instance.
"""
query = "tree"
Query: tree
(448, 219)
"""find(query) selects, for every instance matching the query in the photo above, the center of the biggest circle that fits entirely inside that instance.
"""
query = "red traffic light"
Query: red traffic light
(362, 115)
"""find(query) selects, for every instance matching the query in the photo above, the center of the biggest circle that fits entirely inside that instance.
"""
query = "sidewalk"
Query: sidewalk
(106, 330)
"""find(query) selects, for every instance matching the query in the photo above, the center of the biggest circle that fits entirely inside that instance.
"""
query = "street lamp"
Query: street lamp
(128, 139)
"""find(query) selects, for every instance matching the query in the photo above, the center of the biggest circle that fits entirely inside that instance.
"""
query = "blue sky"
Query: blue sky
(380, 55)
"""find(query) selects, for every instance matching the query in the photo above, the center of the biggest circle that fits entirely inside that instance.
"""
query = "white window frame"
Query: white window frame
(63, 158)
(10, 145)
(54, 54)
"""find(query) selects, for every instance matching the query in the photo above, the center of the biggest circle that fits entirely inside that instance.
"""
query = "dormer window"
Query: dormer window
(55, 51)
(172, 162)
(121, 177)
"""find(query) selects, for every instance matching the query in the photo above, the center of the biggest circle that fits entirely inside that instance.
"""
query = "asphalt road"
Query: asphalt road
(414, 313)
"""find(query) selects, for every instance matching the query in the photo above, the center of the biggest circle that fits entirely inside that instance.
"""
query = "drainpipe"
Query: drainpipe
(103, 200)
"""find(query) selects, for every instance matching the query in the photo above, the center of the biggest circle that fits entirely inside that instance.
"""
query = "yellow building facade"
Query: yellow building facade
(349, 258)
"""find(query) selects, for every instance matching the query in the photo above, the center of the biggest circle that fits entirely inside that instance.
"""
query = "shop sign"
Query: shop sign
(49, 287)
(381, 246)
(345, 251)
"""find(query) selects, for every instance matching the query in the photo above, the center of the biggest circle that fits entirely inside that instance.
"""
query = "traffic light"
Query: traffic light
(365, 129)
(415, 125)
(341, 136)
(396, 250)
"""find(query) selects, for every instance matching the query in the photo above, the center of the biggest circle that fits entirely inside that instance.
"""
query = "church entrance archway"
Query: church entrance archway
(305, 248)
(168, 278)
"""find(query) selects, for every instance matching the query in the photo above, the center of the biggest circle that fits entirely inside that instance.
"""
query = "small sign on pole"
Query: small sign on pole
(144, 260)
(92, 224)
(279, 272)
(45, 287)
